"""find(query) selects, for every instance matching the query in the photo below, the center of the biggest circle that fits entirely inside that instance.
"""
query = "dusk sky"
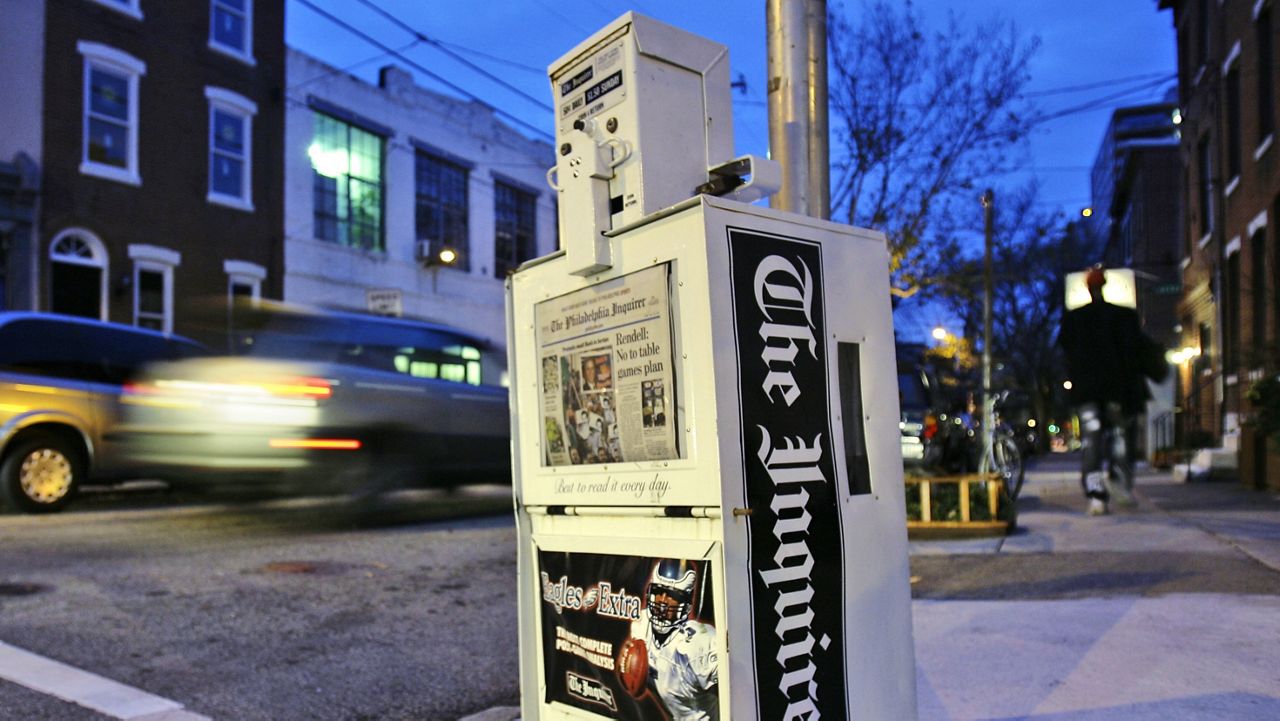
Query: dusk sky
(1095, 55)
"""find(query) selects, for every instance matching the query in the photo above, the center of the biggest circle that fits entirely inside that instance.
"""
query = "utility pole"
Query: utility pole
(988, 402)
(798, 125)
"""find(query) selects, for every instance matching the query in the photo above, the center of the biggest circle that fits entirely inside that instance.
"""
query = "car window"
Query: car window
(84, 351)
(388, 346)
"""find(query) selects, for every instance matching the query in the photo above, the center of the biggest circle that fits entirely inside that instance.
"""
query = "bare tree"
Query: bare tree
(1032, 252)
(918, 119)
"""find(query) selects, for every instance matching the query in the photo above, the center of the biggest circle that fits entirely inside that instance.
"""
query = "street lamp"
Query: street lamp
(940, 333)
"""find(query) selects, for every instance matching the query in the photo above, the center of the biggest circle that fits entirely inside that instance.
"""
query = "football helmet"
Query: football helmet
(669, 597)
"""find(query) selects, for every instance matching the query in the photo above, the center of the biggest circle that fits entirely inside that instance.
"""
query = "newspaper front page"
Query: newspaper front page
(608, 392)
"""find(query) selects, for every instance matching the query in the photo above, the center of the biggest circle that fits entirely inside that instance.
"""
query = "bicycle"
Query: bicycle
(1002, 455)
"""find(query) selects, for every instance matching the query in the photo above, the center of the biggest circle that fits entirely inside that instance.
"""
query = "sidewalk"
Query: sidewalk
(1169, 610)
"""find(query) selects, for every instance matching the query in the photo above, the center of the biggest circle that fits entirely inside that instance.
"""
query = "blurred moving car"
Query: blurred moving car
(60, 384)
(322, 401)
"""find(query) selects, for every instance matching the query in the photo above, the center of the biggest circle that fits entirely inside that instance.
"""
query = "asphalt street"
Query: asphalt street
(324, 609)
(313, 608)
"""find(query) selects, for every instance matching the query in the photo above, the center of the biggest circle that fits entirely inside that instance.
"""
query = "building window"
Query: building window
(110, 135)
(153, 286)
(1202, 37)
(1266, 76)
(515, 213)
(1231, 315)
(1258, 278)
(77, 274)
(347, 168)
(1233, 121)
(244, 279)
(440, 211)
(230, 148)
(1204, 165)
(128, 7)
(244, 290)
(231, 28)
(1274, 275)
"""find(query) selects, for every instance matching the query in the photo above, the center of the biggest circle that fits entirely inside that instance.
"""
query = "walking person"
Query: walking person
(1108, 357)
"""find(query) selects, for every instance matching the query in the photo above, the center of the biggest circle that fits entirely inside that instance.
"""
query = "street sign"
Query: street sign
(385, 301)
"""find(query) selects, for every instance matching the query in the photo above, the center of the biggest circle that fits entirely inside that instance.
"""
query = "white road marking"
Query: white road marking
(86, 689)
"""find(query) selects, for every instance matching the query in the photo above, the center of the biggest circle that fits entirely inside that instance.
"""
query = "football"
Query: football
(633, 666)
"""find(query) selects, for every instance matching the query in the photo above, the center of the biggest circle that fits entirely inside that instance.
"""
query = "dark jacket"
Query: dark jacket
(1105, 349)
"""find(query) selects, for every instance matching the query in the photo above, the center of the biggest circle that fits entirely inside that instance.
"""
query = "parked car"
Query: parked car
(915, 400)
(60, 384)
(322, 401)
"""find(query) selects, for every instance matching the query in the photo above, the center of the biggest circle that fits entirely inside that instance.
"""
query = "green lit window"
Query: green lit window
(346, 164)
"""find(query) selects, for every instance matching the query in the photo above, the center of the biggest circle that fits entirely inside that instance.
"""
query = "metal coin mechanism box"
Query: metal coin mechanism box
(708, 485)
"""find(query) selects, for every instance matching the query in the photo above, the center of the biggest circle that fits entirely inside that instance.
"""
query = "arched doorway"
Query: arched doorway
(77, 274)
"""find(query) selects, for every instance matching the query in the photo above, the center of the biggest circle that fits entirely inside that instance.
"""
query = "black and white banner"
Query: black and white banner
(795, 550)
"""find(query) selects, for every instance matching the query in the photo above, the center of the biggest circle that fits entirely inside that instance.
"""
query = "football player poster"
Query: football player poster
(629, 637)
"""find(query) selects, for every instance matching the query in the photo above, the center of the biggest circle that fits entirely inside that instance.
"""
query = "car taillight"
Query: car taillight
(930, 427)
(314, 388)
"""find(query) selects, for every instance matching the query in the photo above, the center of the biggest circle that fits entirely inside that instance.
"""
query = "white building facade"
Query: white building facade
(381, 179)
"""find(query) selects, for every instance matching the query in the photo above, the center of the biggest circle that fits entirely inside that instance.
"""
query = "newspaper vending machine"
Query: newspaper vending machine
(708, 480)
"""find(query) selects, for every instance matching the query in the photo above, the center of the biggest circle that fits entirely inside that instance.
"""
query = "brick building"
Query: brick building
(153, 129)
(1230, 307)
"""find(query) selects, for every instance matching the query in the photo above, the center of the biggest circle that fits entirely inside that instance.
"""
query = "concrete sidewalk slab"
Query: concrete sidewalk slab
(1186, 656)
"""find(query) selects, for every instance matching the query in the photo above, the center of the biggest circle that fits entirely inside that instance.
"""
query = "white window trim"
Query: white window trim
(1231, 186)
(1232, 56)
(243, 108)
(1204, 240)
(163, 261)
(1259, 221)
(244, 273)
(100, 260)
(108, 58)
(1232, 247)
(1263, 146)
(133, 8)
(245, 56)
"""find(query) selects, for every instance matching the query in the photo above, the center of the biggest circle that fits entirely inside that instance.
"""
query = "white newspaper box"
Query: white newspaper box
(707, 470)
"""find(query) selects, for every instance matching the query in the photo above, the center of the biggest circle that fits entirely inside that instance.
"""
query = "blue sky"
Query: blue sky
(1082, 43)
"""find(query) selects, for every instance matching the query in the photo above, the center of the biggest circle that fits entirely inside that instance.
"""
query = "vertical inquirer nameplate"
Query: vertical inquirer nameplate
(795, 547)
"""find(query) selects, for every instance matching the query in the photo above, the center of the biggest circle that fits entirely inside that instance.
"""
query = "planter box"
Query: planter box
(950, 506)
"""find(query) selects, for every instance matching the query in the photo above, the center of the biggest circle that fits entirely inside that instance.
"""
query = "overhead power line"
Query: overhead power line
(419, 67)
(505, 61)
(335, 71)
(436, 44)
(1098, 103)
(1161, 76)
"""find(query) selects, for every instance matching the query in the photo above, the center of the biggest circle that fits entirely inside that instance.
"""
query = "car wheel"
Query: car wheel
(40, 474)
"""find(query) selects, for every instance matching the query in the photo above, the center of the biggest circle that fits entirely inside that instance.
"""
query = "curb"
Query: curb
(497, 713)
